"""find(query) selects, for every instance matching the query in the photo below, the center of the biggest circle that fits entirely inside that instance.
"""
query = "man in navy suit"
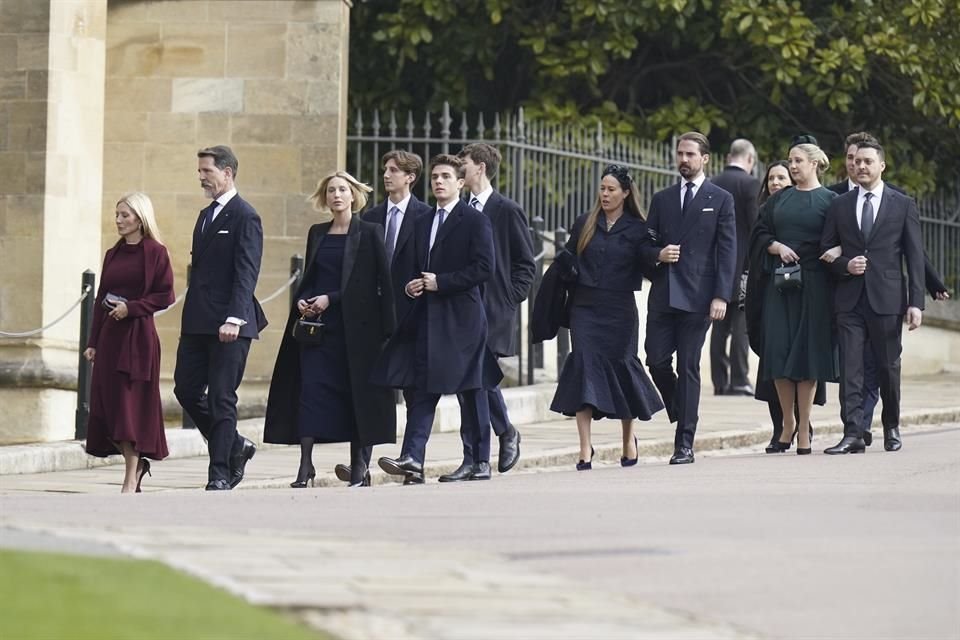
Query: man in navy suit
(510, 283)
(220, 316)
(441, 345)
(878, 230)
(398, 215)
(693, 265)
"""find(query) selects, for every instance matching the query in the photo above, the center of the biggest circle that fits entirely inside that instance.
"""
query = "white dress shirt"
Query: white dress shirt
(401, 211)
(482, 197)
(697, 183)
(875, 201)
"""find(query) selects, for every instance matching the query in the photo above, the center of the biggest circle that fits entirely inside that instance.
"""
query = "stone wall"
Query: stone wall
(267, 78)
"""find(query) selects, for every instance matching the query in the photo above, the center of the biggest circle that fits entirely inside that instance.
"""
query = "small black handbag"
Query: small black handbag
(788, 277)
(308, 331)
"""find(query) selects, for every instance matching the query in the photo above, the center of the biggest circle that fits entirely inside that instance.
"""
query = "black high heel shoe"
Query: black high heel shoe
(303, 479)
(586, 465)
(629, 462)
(779, 447)
(804, 452)
(144, 471)
(365, 482)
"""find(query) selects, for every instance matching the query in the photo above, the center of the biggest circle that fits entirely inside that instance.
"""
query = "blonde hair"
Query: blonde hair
(816, 155)
(142, 207)
(631, 207)
(357, 188)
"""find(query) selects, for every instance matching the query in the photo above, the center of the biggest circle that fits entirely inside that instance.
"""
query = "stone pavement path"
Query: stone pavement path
(726, 422)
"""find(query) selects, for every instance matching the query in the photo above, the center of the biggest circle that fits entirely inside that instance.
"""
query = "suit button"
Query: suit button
(866, 251)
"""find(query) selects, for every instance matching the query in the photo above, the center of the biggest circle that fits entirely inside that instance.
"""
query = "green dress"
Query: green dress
(798, 341)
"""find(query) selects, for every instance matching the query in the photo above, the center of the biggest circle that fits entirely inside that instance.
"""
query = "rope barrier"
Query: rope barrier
(284, 287)
(27, 334)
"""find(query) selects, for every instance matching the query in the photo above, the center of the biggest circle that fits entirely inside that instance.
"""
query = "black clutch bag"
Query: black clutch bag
(308, 331)
(788, 277)
(110, 301)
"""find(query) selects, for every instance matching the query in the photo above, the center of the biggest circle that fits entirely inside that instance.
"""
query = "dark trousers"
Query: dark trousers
(733, 370)
(474, 424)
(871, 389)
(497, 408)
(860, 330)
(683, 333)
(206, 378)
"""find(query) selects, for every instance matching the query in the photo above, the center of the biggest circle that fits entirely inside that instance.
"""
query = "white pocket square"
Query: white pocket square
(707, 210)
(222, 231)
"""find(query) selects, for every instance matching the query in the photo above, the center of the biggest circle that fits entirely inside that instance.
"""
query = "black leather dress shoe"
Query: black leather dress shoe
(413, 478)
(218, 485)
(238, 463)
(849, 444)
(682, 455)
(891, 439)
(509, 450)
(463, 472)
(402, 466)
(481, 471)
(867, 438)
(342, 471)
(745, 390)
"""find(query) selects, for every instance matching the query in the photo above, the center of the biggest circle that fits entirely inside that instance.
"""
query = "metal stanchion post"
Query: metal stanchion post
(88, 279)
(185, 419)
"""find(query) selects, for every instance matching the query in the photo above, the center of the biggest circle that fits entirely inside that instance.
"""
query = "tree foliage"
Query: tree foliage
(762, 69)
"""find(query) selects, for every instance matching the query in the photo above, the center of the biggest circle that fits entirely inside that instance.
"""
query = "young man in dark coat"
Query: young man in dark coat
(510, 283)
(441, 344)
(220, 316)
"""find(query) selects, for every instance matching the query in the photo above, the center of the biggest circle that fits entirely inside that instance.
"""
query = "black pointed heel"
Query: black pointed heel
(804, 452)
(586, 465)
(629, 462)
(143, 472)
(303, 479)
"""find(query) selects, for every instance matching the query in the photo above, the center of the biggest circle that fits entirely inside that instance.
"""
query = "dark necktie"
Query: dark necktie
(687, 197)
(475, 203)
(866, 216)
(442, 214)
(208, 216)
(392, 232)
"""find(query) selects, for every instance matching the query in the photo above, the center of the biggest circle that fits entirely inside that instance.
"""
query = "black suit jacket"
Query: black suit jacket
(405, 259)
(510, 283)
(932, 279)
(708, 249)
(744, 189)
(895, 239)
(225, 265)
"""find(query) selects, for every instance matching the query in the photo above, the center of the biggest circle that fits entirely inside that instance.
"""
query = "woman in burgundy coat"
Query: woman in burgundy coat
(126, 416)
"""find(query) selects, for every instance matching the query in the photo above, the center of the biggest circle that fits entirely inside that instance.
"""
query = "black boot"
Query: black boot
(360, 465)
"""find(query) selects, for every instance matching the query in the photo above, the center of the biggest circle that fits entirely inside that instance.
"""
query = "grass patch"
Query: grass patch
(67, 597)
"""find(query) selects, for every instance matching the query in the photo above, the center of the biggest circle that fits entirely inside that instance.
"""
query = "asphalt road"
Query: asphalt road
(864, 546)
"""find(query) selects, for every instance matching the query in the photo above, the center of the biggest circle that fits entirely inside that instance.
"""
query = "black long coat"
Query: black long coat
(744, 188)
(510, 283)
(457, 357)
(366, 301)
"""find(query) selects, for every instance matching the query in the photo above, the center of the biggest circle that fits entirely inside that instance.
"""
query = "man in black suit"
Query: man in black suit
(441, 345)
(398, 216)
(878, 230)
(510, 283)
(731, 375)
(690, 288)
(934, 283)
(220, 316)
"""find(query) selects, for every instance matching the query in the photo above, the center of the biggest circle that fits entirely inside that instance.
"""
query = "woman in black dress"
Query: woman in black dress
(603, 377)
(321, 392)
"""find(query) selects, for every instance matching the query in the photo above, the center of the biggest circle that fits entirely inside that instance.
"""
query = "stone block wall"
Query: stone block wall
(267, 78)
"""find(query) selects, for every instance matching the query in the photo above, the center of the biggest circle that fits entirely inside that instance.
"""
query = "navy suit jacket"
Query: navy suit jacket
(895, 239)
(225, 265)
(707, 236)
(405, 259)
(451, 320)
(510, 283)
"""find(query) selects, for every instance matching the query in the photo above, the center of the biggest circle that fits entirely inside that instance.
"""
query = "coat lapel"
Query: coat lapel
(449, 224)
(406, 228)
(208, 234)
(350, 252)
(881, 215)
(703, 199)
